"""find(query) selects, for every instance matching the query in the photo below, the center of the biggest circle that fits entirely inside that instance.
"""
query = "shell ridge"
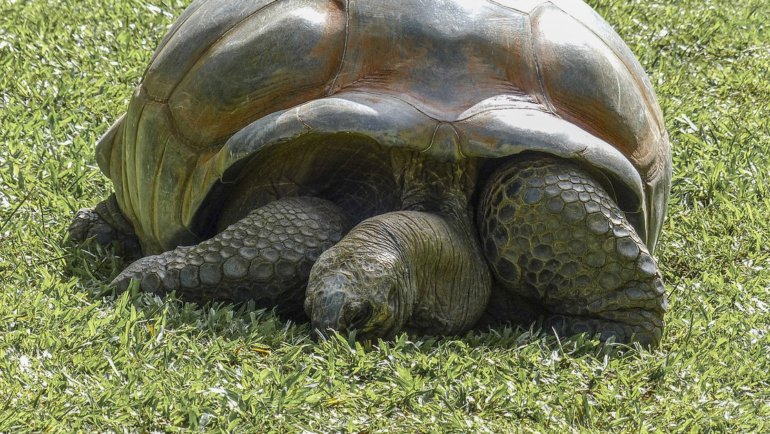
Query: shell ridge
(458, 145)
(298, 112)
(124, 198)
(171, 34)
(153, 98)
(344, 50)
(154, 224)
(536, 61)
(396, 97)
(131, 192)
(510, 8)
(658, 165)
(432, 139)
(534, 107)
(105, 146)
(215, 42)
(175, 129)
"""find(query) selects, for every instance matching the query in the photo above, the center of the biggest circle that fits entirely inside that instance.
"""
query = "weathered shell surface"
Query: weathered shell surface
(451, 78)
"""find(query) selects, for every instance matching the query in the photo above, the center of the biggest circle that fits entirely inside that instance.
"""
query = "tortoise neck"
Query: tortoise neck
(444, 281)
(439, 187)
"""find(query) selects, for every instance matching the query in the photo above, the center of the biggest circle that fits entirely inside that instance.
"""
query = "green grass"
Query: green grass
(74, 357)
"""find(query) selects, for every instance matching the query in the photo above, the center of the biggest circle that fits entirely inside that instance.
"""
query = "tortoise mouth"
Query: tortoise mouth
(339, 310)
(347, 301)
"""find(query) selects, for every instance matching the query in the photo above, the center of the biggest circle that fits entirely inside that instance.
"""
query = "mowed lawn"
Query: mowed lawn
(76, 357)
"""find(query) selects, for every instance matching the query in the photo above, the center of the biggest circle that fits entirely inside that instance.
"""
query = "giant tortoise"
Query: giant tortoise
(395, 166)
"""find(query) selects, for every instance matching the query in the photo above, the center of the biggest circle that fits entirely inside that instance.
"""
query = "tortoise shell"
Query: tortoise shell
(234, 81)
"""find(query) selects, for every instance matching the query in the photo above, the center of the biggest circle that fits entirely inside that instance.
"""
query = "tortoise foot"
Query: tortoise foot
(553, 235)
(266, 257)
(105, 226)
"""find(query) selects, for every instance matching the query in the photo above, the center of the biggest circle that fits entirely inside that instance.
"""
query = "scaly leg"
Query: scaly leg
(266, 257)
(552, 234)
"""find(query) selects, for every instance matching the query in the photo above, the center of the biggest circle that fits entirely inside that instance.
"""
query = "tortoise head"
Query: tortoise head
(363, 284)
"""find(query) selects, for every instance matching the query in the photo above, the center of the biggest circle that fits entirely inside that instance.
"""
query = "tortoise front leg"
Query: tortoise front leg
(553, 235)
(266, 257)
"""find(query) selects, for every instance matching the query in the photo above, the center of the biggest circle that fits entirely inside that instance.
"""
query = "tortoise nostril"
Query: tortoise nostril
(326, 309)
(357, 314)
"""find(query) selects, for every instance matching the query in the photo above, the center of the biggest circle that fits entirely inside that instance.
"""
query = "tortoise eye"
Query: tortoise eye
(358, 314)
